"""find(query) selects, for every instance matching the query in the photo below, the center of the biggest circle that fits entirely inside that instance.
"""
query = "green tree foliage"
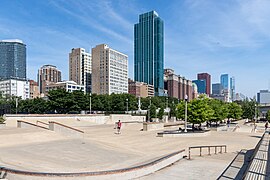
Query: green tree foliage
(248, 108)
(220, 110)
(160, 113)
(153, 113)
(268, 115)
(234, 111)
(199, 111)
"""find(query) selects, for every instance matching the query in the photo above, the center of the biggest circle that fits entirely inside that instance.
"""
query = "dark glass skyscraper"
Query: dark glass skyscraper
(12, 59)
(149, 51)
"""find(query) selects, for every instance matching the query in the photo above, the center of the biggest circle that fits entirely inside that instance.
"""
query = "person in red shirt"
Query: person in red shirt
(119, 124)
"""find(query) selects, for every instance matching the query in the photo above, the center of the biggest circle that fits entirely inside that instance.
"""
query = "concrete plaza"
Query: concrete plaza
(41, 150)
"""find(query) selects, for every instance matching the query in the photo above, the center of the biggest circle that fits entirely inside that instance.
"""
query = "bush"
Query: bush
(1, 119)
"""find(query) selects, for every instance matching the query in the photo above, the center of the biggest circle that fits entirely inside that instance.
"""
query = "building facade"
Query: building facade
(217, 89)
(34, 89)
(149, 51)
(48, 74)
(110, 71)
(140, 89)
(15, 87)
(177, 86)
(263, 97)
(80, 68)
(201, 86)
(69, 86)
(224, 81)
(207, 78)
(12, 59)
(232, 88)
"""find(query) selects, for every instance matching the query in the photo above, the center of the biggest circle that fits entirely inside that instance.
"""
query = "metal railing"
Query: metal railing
(209, 149)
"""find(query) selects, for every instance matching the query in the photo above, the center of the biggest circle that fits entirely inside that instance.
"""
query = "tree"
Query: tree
(248, 108)
(234, 111)
(268, 115)
(160, 113)
(199, 111)
(153, 113)
(220, 110)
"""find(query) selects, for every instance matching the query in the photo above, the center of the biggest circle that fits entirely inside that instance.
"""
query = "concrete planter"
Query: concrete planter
(152, 126)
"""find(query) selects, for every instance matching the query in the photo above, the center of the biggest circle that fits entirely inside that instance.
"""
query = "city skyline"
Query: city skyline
(200, 36)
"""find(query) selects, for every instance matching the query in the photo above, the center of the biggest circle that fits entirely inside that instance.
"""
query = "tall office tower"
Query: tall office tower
(201, 86)
(224, 81)
(232, 88)
(207, 78)
(12, 59)
(48, 74)
(149, 51)
(216, 89)
(110, 71)
(80, 68)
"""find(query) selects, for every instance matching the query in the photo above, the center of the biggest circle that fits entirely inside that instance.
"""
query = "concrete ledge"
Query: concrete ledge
(66, 130)
(152, 126)
(126, 173)
(24, 124)
(182, 134)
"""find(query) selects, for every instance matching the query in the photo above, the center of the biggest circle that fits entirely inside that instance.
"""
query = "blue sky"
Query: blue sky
(224, 36)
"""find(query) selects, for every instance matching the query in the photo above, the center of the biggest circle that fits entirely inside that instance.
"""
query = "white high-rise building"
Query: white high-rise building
(15, 87)
(110, 70)
(80, 68)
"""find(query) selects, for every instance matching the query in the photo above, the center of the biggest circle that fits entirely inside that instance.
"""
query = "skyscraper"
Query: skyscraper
(201, 86)
(149, 51)
(110, 71)
(80, 68)
(232, 88)
(216, 89)
(224, 81)
(48, 74)
(12, 59)
(207, 78)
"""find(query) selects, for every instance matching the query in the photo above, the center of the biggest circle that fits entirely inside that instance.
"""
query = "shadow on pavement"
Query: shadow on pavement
(238, 166)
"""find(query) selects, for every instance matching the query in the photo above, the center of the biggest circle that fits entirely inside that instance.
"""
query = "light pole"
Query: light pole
(90, 107)
(127, 105)
(186, 100)
(16, 101)
(149, 110)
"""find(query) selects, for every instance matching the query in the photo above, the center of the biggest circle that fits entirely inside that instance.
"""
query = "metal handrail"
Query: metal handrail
(42, 123)
(209, 149)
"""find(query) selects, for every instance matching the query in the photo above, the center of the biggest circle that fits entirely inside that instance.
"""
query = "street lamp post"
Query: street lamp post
(16, 101)
(127, 105)
(149, 110)
(90, 103)
(186, 100)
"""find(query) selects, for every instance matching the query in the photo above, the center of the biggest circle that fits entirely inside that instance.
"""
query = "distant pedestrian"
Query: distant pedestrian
(228, 123)
(266, 125)
(119, 125)
(254, 128)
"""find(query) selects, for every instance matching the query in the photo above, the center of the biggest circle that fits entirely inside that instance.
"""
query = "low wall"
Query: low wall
(152, 126)
(65, 130)
(2, 125)
(126, 173)
(24, 124)
(202, 134)
(11, 119)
